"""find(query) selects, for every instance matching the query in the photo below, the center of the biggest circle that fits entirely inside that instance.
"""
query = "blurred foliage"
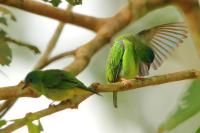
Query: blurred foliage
(34, 128)
(188, 106)
(58, 2)
(5, 51)
(2, 123)
(198, 130)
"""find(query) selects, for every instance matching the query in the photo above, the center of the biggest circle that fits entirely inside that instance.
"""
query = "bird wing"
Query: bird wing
(163, 40)
(53, 79)
(60, 79)
(72, 81)
(114, 61)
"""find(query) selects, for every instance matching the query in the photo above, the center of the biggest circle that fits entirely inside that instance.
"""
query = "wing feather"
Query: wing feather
(164, 39)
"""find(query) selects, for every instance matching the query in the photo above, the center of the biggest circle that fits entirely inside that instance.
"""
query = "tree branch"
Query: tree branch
(17, 91)
(155, 80)
(12, 92)
(33, 6)
(57, 57)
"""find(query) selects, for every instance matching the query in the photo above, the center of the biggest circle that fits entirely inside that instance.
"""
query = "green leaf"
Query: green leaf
(74, 2)
(33, 128)
(187, 107)
(5, 11)
(57, 2)
(198, 130)
(2, 33)
(54, 2)
(23, 44)
(166, 15)
(2, 123)
(3, 20)
(5, 53)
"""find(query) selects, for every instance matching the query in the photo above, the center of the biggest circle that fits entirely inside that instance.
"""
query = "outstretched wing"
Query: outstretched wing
(164, 39)
(114, 61)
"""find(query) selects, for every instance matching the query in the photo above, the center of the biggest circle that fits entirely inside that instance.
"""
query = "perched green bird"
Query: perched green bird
(132, 56)
(56, 84)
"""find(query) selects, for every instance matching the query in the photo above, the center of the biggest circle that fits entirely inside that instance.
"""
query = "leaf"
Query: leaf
(187, 107)
(2, 123)
(5, 53)
(2, 33)
(74, 2)
(198, 130)
(166, 15)
(23, 44)
(57, 2)
(33, 128)
(7, 12)
(54, 2)
(3, 20)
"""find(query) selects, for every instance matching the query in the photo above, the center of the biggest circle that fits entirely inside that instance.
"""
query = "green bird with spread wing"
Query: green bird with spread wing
(55, 84)
(132, 56)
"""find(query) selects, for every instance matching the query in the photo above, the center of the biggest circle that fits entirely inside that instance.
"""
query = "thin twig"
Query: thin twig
(57, 57)
(23, 44)
(6, 106)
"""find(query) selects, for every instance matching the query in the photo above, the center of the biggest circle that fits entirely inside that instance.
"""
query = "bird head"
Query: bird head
(33, 77)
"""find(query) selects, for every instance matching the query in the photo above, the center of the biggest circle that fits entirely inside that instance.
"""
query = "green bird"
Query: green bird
(131, 56)
(55, 84)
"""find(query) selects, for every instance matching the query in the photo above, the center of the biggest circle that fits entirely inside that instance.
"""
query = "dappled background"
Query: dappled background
(139, 111)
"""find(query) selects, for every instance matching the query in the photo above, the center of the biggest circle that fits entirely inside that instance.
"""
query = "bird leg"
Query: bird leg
(126, 82)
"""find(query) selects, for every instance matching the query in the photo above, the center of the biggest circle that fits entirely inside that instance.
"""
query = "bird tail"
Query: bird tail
(115, 99)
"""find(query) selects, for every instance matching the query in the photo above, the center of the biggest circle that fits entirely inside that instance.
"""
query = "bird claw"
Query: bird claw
(71, 105)
(126, 82)
(52, 105)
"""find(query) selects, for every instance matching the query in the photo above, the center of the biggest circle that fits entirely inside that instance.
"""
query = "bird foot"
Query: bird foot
(70, 104)
(52, 104)
(126, 82)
